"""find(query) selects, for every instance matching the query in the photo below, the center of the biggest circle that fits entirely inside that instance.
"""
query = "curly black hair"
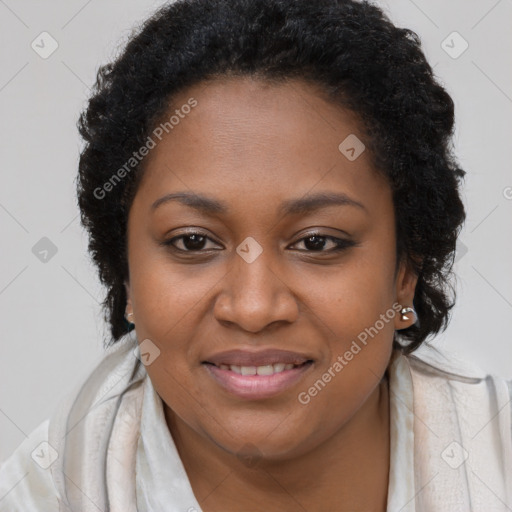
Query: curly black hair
(361, 61)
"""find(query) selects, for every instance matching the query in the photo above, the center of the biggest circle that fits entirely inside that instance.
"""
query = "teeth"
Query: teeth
(268, 369)
(265, 370)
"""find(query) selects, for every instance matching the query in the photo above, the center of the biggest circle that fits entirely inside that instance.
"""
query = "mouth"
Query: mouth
(251, 382)
(267, 369)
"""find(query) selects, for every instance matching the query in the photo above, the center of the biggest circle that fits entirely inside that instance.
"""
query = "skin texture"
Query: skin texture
(254, 145)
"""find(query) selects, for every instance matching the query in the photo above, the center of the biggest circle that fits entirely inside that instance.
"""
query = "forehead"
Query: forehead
(250, 140)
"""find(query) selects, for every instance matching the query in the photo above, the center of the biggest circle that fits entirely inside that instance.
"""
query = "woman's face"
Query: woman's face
(253, 281)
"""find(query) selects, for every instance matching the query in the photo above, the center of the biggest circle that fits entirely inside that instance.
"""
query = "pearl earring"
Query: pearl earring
(127, 315)
(404, 313)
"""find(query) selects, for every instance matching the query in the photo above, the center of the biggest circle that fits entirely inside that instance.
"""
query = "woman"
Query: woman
(273, 206)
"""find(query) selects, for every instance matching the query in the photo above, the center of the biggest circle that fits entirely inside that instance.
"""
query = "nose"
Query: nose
(254, 295)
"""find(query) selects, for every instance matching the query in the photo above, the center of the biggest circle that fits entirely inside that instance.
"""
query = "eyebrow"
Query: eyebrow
(210, 206)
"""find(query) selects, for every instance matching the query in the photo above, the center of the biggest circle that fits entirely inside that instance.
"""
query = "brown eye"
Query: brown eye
(315, 243)
(190, 242)
(193, 242)
(318, 243)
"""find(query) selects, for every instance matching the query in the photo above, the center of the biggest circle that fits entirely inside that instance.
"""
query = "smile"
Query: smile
(257, 382)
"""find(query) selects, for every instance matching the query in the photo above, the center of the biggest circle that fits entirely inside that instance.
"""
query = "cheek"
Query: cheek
(355, 308)
(168, 296)
(359, 341)
(358, 325)
(350, 298)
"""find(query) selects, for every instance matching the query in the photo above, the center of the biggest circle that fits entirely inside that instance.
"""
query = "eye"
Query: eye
(317, 242)
(195, 241)
(190, 242)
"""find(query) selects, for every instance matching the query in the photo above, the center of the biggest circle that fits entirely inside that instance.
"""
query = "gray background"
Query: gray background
(52, 330)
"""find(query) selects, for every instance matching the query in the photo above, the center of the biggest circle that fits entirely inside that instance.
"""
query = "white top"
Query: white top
(108, 448)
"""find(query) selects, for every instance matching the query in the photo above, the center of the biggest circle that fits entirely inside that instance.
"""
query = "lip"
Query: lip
(240, 357)
(257, 387)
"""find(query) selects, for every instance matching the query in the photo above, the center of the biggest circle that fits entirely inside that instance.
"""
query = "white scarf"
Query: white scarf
(116, 453)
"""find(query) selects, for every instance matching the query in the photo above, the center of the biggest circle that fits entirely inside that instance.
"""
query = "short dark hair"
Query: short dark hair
(352, 51)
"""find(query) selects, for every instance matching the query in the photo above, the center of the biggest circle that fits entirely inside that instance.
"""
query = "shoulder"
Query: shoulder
(433, 364)
(26, 482)
(43, 472)
(462, 431)
(465, 384)
(457, 391)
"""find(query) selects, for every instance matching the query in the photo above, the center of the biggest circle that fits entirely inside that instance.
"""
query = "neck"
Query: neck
(347, 472)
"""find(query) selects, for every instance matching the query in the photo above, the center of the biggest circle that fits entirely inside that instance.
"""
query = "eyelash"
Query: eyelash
(341, 244)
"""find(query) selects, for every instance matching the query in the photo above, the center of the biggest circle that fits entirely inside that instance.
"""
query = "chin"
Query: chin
(266, 442)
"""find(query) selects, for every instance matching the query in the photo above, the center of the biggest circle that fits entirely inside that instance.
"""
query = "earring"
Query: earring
(404, 312)
(126, 316)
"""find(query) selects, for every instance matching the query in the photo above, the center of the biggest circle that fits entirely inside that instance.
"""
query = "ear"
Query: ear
(405, 287)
